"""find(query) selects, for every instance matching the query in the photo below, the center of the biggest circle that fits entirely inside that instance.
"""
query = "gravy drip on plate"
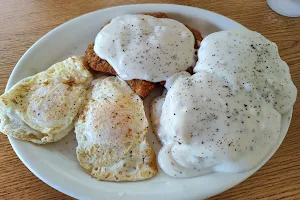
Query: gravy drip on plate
(144, 47)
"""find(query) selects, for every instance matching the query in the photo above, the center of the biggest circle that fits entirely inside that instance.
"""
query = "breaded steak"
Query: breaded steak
(141, 87)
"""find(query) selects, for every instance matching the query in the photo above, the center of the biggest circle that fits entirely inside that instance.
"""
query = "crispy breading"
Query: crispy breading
(141, 87)
(96, 63)
(156, 14)
(197, 36)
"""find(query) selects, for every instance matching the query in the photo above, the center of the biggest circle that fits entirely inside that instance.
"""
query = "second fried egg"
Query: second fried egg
(111, 133)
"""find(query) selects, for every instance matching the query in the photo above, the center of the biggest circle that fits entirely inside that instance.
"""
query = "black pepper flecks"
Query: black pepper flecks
(145, 51)
(226, 120)
(247, 57)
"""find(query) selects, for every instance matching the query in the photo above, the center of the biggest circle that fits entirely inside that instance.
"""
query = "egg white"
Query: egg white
(42, 108)
(111, 133)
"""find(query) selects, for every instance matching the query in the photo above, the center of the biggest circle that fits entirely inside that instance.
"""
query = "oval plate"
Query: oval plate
(56, 164)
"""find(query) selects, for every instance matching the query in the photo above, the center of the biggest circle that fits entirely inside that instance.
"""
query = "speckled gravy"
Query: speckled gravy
(248, 60)
(144, 47)
(224, 117)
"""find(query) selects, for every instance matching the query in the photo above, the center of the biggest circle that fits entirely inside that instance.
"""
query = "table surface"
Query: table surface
(24, 22)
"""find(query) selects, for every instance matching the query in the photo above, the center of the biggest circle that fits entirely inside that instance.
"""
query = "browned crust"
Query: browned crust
(96, 63)
(141, 87)
(197, 36)
(156, 14)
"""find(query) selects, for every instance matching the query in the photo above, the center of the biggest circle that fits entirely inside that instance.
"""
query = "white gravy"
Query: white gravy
(144, 47)
(226, 117)
(248, 60)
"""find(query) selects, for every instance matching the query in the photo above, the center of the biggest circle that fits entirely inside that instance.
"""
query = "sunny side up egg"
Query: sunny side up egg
(111, 133)
(42, 108)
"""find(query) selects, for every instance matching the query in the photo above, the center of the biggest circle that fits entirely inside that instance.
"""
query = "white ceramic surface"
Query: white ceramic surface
(289, 8)
(56, 164)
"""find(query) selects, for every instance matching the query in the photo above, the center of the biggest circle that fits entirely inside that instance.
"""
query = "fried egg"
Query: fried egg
(111, 133)
(42, 108)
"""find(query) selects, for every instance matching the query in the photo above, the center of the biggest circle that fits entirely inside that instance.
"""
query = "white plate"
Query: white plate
(56, 164)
